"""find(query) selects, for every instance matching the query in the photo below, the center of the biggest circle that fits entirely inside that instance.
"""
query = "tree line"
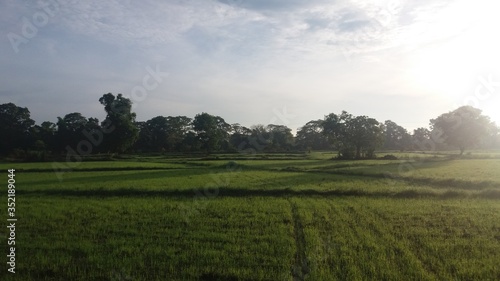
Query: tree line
(353, 137)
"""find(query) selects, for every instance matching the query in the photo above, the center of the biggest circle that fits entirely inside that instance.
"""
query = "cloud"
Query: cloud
(270, 5)
(230, 57)
(117, 21)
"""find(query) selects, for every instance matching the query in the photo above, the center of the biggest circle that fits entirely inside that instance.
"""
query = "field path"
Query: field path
(301, 266)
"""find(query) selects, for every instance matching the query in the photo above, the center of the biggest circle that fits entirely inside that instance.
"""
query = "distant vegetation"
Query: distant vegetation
(353, 137)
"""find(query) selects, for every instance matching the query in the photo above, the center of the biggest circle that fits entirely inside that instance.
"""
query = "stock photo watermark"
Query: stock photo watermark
(30, 26)
(12, 219)
(486, 89)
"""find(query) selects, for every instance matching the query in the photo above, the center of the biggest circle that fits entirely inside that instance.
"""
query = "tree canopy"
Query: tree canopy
(311, 136)
(15, 124)
(121, 121)
(464, 127)
(70, 129)
(396, 137)
(212, 131)
(352, 137)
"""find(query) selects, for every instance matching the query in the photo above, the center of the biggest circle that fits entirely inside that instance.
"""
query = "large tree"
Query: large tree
(70, 130)
(191, 142)
(396, 137)
(42, 138)
(177, 129)
(421, 139)
(15, 124)
(47, 134)
(162, 133)
(496, 137)
(310, 136)
(158, 128)
(463, 128)
(239, 139)
(365, 134)
(260, 138)
(281, 137)
(353, 136)
(119, 125)
(143, 142)
(212, 131)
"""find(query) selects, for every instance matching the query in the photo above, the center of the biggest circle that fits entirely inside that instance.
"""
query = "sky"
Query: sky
(282, 62)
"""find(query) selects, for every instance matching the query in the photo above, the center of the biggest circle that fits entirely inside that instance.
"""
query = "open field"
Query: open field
(264, 217)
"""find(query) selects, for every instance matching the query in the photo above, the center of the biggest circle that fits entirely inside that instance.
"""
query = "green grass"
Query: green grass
(89, 166)
(257, 218)
(355, 239)
(150, 239)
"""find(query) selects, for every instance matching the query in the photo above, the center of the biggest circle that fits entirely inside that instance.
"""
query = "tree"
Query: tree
(177, 129)
(464, 127)
(47, 134)
(158, 128)
(162, 133)
(353, 136)
(260, 138)
(334, 129)
(43, 137)
(365, 134)
(421, 139)
(396, 137)
(143, 142)
(191, 142)
(70, 129)
(496, 137)
(15, 124)
(281, 137)
(119, 124)
(421, 134)
(239, 139)
(310, 136)
(212, 131)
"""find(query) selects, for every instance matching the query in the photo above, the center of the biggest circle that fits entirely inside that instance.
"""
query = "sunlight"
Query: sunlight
(452, 66)
(493, 113)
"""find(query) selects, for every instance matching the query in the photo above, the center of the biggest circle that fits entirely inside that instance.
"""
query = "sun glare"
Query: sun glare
(452, 68)
(493, 114)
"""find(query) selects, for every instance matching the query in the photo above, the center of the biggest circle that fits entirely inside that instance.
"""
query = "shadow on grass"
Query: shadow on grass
(217, 277)
(98, 169)
(435, 183)
(244, 192)
(146, 174)
(431, 182)
(443, 183)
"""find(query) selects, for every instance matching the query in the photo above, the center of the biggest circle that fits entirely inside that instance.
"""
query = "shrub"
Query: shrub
(389, 157)
(18, 154)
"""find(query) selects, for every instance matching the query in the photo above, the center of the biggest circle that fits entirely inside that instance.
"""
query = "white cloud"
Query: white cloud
(233, 57)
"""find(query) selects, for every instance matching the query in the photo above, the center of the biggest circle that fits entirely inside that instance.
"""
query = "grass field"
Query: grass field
(263, 217)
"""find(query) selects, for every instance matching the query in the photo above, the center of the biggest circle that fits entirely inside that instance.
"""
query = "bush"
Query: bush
(389, 157)
(20, 155)
(232, 165)
(35, 156)
(17, 154)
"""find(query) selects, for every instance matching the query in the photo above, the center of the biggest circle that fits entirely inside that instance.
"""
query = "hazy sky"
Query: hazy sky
(252, 62)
